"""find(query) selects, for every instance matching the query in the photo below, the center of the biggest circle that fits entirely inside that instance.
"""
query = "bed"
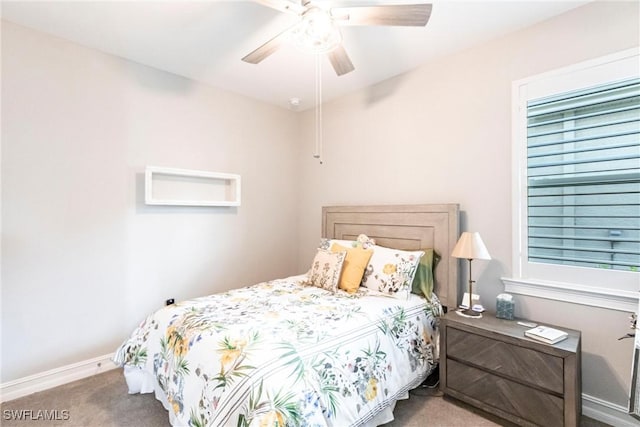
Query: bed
(301, 350)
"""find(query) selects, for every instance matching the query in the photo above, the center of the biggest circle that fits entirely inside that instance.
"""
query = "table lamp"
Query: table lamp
(470, 246)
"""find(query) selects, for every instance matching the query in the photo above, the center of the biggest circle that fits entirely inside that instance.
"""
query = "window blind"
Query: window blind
(583, 177)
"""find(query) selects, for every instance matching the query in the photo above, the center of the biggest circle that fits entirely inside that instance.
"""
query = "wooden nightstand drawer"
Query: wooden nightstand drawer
(490, 363)
(529, 404)
(539, 369)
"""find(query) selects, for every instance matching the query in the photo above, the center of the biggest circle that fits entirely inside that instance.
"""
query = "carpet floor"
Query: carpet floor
(103, 401)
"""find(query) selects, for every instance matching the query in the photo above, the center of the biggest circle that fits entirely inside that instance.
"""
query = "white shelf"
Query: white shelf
(183, 187)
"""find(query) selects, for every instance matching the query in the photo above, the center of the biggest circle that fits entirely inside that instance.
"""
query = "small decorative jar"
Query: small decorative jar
(504, 306)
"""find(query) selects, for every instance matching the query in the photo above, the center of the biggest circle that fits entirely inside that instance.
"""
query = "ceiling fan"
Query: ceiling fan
(318, 28)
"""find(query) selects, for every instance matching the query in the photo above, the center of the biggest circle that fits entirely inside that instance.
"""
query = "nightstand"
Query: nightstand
(490, 364)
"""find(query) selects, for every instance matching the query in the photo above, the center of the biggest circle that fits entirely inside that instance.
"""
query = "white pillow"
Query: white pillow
(327, 243)
(363, 241)
(326, 269)
(391, 271)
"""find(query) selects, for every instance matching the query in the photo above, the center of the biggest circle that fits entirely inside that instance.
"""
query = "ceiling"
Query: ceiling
(205, 40)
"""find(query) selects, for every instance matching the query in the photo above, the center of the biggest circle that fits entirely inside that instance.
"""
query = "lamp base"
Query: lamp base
(466, 312)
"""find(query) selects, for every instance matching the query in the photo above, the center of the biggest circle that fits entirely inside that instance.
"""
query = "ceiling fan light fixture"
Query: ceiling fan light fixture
(316, 32)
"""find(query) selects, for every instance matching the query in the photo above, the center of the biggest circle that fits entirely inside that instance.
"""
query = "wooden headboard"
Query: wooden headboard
(407, 227)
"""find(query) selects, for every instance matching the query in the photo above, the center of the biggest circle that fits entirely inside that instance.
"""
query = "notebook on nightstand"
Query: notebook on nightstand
(546, 334)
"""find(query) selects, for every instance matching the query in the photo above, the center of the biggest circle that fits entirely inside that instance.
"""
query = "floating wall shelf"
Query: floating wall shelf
(182, 187)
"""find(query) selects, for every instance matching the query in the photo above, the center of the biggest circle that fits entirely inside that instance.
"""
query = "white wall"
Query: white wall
(442, 133)
(83, 259)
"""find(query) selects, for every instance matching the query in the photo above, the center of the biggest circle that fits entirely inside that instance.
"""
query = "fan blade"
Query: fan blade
(283, 6)
(413, 15)
(340, 61)
(266, 49)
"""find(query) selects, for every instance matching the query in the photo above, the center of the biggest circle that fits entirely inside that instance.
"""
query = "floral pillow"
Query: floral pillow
(325, 244)
(326, 269)
(363, 242)
(391, 271)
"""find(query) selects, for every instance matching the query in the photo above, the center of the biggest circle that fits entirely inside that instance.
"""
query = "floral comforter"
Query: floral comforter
(281, 353)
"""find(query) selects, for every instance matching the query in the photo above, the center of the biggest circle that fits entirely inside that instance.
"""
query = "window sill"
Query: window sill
(578, 294)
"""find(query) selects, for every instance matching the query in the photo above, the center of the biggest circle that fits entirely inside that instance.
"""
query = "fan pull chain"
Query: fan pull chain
(318, 127)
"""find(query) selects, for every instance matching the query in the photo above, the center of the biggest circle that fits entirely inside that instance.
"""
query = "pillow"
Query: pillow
(424, 279)
(355, 263)
(327, 243)
(325, 269)
(363, 241)
(391, 271)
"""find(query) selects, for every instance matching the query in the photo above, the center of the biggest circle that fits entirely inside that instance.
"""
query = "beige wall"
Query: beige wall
(83, 259)
(442, 133)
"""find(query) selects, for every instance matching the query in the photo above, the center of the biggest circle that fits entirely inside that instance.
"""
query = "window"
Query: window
(583, 177)
(577, 183)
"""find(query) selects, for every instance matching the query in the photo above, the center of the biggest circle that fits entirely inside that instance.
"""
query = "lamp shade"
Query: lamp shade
(470, 246)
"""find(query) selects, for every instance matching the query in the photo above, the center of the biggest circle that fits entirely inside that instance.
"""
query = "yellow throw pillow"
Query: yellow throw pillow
(354, 265)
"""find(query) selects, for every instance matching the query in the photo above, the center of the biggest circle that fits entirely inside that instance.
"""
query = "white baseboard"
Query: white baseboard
(607, 412)
(55, 377)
